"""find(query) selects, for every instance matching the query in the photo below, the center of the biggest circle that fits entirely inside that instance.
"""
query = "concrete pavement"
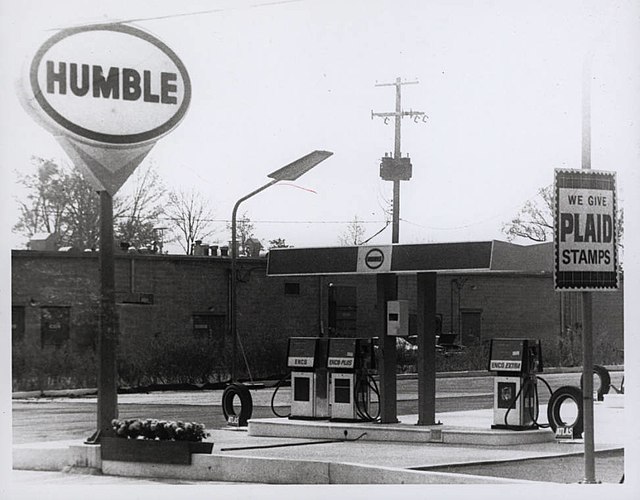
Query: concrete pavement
(304, 460)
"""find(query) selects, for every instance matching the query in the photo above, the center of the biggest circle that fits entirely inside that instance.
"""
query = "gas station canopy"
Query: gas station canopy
(483, 256)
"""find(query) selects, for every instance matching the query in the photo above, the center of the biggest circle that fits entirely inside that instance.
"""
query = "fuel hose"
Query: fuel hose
(273, 397)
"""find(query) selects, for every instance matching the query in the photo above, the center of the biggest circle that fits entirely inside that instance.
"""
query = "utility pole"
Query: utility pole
(396, 168)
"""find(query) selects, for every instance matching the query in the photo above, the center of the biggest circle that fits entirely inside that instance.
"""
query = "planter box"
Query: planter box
(154, 451)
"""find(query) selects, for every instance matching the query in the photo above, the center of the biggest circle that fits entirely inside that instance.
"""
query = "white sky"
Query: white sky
(499, 80)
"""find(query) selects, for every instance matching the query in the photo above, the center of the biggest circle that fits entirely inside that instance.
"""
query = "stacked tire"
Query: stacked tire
(246, 403)
(558, 398)
(605, 381)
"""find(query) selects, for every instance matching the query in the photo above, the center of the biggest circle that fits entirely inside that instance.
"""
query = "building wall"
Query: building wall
(43, 279)
(511, 305)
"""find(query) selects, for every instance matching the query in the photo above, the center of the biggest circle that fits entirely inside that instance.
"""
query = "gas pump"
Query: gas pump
(351, 362)
(307, 357)
(515, 392)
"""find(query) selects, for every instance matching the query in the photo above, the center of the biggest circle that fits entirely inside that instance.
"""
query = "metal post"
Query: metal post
(386, 289)
(108, 333)
(587, 329)
(587, 388)
(234, 278)
(395, 228)
(289, 172)
(426, 308)
(396, 148)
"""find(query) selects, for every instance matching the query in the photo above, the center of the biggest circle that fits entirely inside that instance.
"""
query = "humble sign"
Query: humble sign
(112, 84)
(585, 230)
(107, 92)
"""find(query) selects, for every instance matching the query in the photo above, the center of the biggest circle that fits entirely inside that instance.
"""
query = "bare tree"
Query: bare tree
(534, 221)
(353, 234)
(244, 231)
(190, 216)
(137, 214)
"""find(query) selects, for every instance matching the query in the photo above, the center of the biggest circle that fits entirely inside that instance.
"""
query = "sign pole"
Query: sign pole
(108, 332)
(587, 330)
(587, 388)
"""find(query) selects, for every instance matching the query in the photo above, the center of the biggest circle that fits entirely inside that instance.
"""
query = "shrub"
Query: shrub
(474, 357)
(63, 367)
(266, 356)
(171, 359)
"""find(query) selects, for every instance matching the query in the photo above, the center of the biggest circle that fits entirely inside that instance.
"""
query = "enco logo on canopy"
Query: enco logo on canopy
(110, 83)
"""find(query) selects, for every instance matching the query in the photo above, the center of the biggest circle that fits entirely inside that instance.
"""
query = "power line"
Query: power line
(196, 13)
(280, 221)
(502, 213)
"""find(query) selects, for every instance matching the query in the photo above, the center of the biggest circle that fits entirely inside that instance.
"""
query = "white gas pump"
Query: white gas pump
(351, 362)
(307, 357)
(515, 392)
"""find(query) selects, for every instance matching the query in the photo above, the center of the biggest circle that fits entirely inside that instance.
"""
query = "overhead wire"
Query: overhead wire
(187, 14)
(502, 213)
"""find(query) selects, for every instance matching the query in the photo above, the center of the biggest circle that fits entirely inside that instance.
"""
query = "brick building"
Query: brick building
(55, 298)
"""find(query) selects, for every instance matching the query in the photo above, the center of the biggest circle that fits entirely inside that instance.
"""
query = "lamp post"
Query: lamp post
(289, 172)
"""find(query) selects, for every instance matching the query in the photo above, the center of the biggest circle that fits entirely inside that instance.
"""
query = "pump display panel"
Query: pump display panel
(302, 352)
(351, 353)
(515, 355)
(342, 353)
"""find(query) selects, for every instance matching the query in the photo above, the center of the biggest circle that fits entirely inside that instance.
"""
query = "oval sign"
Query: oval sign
(110, 83)
(374, 258)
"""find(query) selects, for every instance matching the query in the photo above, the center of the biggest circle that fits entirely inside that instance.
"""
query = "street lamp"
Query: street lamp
(289, 172)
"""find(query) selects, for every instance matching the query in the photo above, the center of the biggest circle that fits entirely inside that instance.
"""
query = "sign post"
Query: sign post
(107, 92)
(108, 333)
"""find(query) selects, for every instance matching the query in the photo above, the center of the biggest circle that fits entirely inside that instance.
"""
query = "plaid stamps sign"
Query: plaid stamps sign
(585, 231)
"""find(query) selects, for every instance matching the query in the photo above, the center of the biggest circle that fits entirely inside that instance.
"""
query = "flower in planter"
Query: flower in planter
(135, 429)
(149, 429)
(159, 429)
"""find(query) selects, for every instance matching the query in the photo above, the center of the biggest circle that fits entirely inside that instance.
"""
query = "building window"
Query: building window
(17, 323)
(209, 326)
(54, 326)
(292, 288)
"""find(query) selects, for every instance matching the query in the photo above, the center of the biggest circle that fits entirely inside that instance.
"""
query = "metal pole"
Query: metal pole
(234, 279)
(108, 333)
(587, 387)
(426, 319)
(387, 289)
(397, 115)
(395, 228)
(587, 327)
